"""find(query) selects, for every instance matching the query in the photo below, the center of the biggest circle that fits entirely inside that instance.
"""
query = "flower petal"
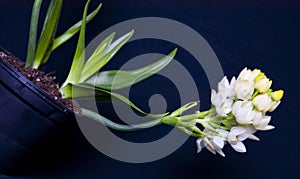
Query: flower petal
(253, 137)
(264, 122)
(209, 145)
(274, 106)
(236, 107)
(243, 136)
(223, 85)
(268, 127)
(199, 144)
(223, 132)
(218, 142)
(238, 130)
(213, 96)
(232, 138)
(220, 152)
(239, 147)
(257, 117)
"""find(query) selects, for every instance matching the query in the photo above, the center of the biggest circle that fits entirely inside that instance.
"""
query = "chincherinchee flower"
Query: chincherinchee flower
(227, 88)
(276, 97)
(221, 102)
(237, 135)
(244, 85)
(239, 109)
(214, 145)
(262, 84)
(261, 123)
(263, 102)
(242, 110)
(223, 99)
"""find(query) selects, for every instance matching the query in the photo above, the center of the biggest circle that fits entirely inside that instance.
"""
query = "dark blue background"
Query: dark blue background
(261, 34)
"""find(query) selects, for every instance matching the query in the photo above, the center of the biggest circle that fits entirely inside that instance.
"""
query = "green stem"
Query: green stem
(199, 115)
(33, 32)
(188, 117)
(254, 95)
(203, 114)
(120, 127)
(188, 132)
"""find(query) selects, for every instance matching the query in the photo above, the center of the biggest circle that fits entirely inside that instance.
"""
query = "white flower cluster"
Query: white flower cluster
(241, 106)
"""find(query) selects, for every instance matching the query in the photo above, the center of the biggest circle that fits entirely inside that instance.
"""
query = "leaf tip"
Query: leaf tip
(173, 53)
(100, 5)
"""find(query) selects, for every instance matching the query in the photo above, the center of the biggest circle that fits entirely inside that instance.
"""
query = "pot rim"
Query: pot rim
(32, 87)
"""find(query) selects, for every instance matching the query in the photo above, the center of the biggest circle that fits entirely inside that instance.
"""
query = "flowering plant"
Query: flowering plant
(239, 107)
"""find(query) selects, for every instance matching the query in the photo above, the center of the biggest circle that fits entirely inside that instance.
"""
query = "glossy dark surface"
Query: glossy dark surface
(28, 118)
(257, 34)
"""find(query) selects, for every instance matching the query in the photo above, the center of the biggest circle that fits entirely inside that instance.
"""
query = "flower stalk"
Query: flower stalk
(120, 127)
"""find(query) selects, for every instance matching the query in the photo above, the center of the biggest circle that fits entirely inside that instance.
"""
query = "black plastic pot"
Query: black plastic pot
(30, 120)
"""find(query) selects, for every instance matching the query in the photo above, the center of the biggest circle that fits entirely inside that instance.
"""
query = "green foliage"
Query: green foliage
(103, 54)
(118, 79)
(84, 80)
(86, 83)
(73, 30)
(50, 25)
(39, 54)
(79, 57)
(33, 32)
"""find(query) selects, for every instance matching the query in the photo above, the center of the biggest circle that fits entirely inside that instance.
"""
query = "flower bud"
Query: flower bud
(259, 76)
(256, 72)
(277, 95)
(262, 102)
(263, 84)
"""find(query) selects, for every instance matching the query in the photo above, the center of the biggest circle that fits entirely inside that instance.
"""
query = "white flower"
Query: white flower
(219, 142)
(227, 88)
(248, 74)
(237, 135)
(225, 108)
(221, 102)
(263, 102)
(215, 145)
(217, 98)
(262, 121)
(244, 89)
(257, 117)
(242, 110)
(204, 142)
(263, 84)
(244, 85)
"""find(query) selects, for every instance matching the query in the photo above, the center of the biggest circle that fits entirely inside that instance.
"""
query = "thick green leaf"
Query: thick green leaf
(33, 32)
(84, 93)
(73, 30)
(48, 51)
(117, 79)
(45, 42)
(79, 56)
(95, 63)
(48, 14)
(102, 46)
